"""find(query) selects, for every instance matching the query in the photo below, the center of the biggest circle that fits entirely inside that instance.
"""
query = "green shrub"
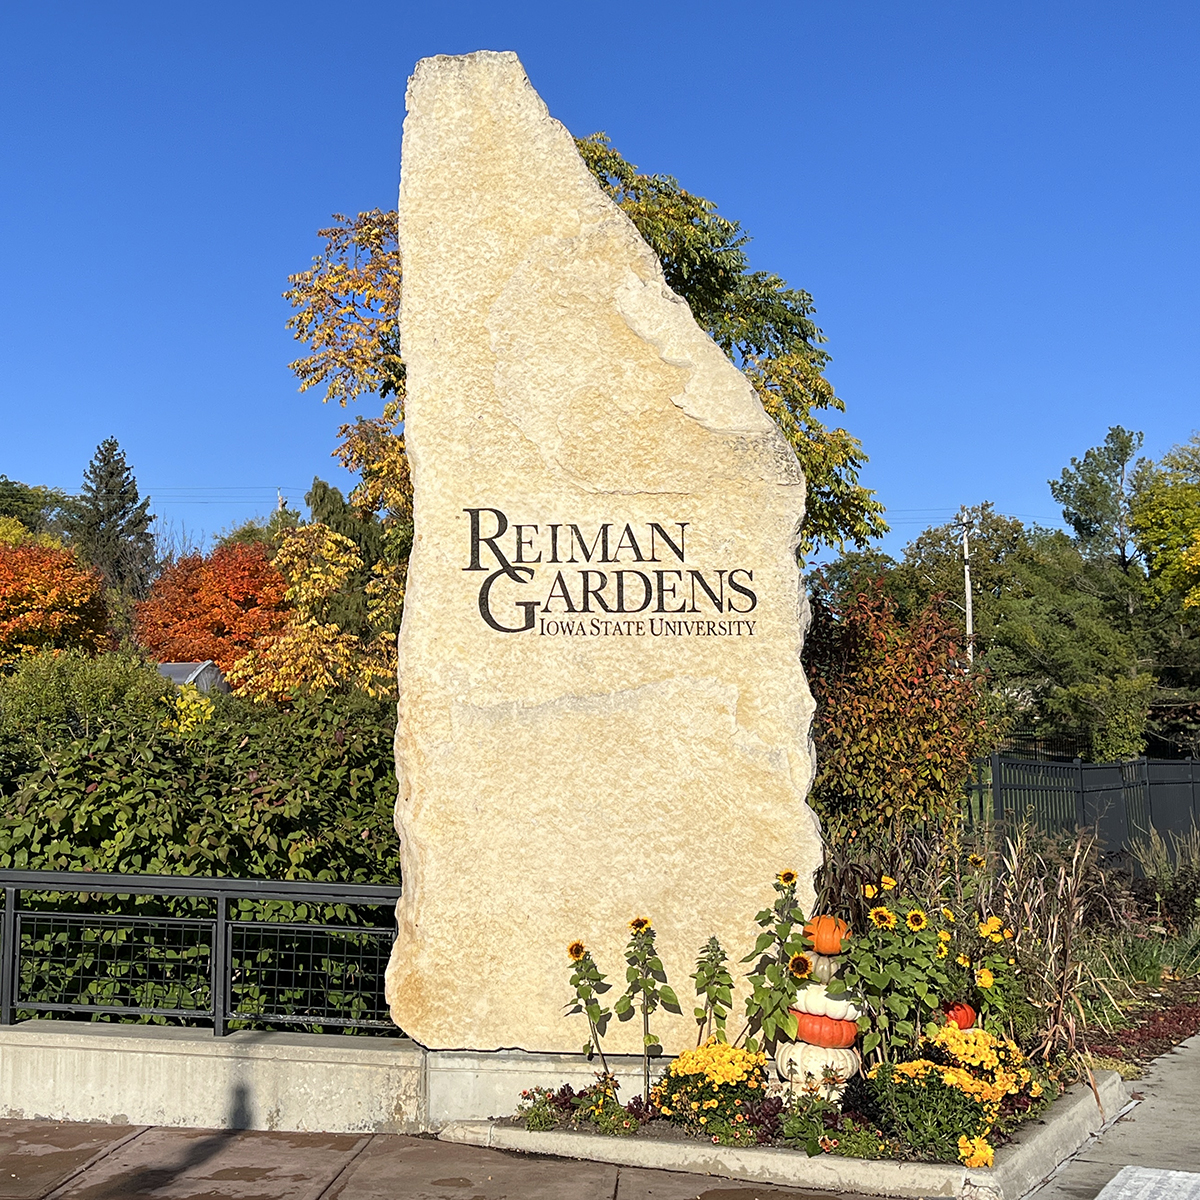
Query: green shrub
(60, 695)
(299, 793)
(927, 1114)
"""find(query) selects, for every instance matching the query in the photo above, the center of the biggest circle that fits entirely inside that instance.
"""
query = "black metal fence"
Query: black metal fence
(186, 949)
(1121, 800)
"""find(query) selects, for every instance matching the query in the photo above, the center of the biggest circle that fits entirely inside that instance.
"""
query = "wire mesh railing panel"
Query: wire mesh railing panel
(76, 962)
(308, 974)
(188, 949)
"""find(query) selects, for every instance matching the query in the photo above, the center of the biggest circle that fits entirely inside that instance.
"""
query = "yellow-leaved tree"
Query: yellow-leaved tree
(312, 653)
(347, 306)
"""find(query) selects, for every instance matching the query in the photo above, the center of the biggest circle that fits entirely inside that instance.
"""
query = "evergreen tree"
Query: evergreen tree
(327, 506)
(112, 523)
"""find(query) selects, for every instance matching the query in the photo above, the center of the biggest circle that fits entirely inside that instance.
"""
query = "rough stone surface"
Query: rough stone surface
(654, 760)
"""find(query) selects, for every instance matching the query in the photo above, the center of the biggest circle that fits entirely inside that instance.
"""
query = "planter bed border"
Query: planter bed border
(1021, 1165)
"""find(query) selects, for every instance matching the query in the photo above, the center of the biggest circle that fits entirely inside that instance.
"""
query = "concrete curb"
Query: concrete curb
(1020, 1166)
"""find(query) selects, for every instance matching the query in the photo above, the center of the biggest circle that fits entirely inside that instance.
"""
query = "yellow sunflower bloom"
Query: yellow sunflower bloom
(887, 883)
(984, 978)
(787, 878)
(576, 951)
(639, 923)
(942, 950)
(948, 914)
(963, 960)
(870, 891)
(882, 918)
(976, 860)
(916, 920)
(944, 935)
(800, 966)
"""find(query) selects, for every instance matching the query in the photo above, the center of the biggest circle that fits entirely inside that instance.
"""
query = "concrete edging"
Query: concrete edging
(1033, 1156)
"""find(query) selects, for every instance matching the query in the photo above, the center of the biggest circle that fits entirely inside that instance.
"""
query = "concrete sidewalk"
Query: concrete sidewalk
(1162, 1131)
(40, 1160)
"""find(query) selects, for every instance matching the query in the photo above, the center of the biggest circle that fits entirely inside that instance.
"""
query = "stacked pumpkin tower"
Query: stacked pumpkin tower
(822, 1058)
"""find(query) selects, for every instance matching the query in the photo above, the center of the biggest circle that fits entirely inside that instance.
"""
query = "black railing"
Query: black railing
(175, 948)
(1121, 800)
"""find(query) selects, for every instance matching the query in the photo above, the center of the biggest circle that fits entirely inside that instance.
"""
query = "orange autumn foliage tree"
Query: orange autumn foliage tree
(216, 607)
(48, 601)
(900, 716)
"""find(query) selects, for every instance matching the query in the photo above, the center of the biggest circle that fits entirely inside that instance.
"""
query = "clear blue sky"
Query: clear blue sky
(994, 206)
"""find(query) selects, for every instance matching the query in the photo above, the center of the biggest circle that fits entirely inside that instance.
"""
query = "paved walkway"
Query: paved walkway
(1162, 1131)
(40, 1160)
(46, 1160)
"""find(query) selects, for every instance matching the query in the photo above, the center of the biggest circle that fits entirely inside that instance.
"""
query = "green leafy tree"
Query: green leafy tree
(39, 509)
(112, 522)
(262, 531)
(1166, 522)
(1096, 493)
(765, 327)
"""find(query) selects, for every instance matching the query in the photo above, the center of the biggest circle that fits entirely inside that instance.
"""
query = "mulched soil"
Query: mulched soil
(1159, 1023)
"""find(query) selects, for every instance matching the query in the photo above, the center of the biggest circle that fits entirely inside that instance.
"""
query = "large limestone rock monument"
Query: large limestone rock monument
(602, 709)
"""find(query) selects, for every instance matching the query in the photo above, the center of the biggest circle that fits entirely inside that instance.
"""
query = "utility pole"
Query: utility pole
(968, 608)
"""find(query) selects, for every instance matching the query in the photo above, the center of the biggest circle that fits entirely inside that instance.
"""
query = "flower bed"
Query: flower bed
(922, 1020)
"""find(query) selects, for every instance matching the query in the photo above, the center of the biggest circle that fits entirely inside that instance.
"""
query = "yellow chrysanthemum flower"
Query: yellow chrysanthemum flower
(975, 1152)
(984, 978)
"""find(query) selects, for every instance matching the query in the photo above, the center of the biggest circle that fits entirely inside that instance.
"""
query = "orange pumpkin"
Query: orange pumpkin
(824, 1031)
(963, 1015)
(827, 934)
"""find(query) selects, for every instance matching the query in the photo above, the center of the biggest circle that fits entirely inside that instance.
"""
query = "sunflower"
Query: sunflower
(984, 977)
(943, 935)
(786, 878)
(576, 951)
(942, 950)
(963, 960)
(976, 861)
(948, 914)
(639, 923)
(800, 965)
(887, 883)
(916, 920)
(882, 918)
(870, 891)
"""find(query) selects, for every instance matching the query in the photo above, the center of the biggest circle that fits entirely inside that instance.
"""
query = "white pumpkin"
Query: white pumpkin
(804, 1066)
(825, 967)
(815, 999)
